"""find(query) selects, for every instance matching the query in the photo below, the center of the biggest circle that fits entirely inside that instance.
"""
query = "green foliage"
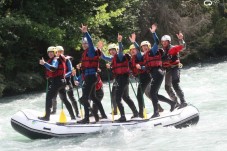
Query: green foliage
(102, 17)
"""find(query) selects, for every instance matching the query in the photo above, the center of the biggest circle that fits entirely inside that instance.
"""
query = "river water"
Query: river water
(204, 85)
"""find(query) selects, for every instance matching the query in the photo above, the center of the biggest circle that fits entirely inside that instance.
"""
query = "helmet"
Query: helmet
(51, 48)
(166, 37)
(59, 48)
(145, 43)
(112, 46)
(84, 40)
(132, 47)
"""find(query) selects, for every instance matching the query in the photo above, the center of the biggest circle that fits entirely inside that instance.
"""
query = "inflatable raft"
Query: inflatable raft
(27, 123)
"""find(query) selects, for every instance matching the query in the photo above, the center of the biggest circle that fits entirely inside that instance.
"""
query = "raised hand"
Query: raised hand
(132, 38)
(153, 28)
(100, 45)
(119, 37)
(83, 28)
(180, 36)
(42, 61)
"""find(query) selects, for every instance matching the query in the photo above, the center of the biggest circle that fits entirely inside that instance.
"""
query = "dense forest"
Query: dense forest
(28, 27)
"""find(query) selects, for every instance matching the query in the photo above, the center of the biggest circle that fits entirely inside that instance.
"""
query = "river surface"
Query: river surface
(204, 85)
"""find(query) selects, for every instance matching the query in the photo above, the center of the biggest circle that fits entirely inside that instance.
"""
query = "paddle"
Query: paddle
(62, 118)
(112, 108)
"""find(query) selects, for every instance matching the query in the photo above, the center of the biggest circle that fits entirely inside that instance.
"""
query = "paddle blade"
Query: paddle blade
(62, 118)
(145, 113)
(118, 112)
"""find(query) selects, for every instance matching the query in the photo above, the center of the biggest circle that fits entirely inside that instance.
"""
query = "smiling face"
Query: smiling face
(112, 52)
(85, 46)
(51, 54)
(165, 44)
(133, 51)
(59, 52)
(145, 48)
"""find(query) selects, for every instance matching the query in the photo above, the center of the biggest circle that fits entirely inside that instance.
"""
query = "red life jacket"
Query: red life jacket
(87, 62)
(119, 68)
(171, 57)
(135, 61)
(153, 61)
(99, 84)
(49, 74)
(60, 71)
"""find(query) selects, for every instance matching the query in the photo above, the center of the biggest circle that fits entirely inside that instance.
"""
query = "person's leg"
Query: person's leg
(168, 85)
(86, 89)
(99, 96)
(127, 98)
(119, 94)
(113, 95)
(176, 86)
(148, 94)
(72, 97)
(98, 103)
(157, 78)
(63, 97)
(144, 80)
(166, 100)
(54, 105)
(51, 93)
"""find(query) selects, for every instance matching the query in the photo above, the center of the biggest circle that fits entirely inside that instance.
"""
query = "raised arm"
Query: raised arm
(106, 58)
(120, 53)
(180, 37)
(154, 49)
(91, 49)
(133, 40)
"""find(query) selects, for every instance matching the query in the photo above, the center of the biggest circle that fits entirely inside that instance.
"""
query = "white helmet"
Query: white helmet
(51, 48)
(84, 40)
(112, 46)
(165, 38)
(59, 48)
(145, 43)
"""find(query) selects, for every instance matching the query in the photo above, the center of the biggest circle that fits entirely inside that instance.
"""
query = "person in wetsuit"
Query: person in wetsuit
(55, 70)
(69, 86)
(89, 66)
(120, 69)
(172, 65)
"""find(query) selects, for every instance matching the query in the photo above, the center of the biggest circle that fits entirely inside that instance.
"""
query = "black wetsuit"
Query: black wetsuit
(172, 78)
(55, 85)
(122, 91)
(89, 92)
(144, 80)
(99, 96)
(71, 95)
(157, 75)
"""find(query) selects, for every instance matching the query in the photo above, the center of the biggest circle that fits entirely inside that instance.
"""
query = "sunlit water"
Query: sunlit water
(205, 86)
